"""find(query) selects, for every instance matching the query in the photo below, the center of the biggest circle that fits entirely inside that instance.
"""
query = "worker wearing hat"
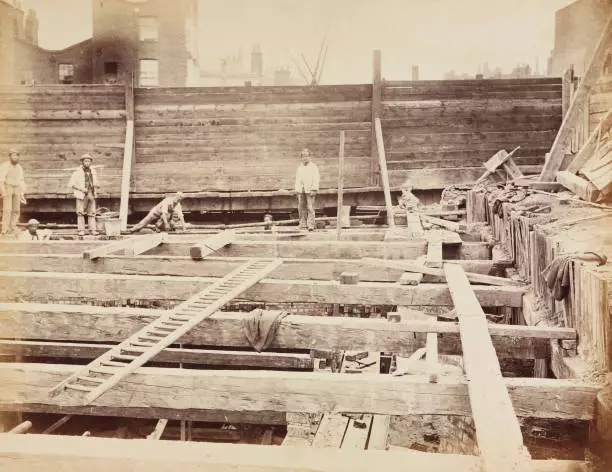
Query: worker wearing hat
(84, 183)
(32, 233)
(12, 190)
(163, 214)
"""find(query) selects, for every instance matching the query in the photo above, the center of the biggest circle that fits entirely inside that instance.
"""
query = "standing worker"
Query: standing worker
(306, 188)
(84, 182)
(163, 213)
(12, 189)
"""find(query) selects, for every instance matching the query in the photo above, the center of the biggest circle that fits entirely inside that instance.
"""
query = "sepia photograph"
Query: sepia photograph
(306, 236)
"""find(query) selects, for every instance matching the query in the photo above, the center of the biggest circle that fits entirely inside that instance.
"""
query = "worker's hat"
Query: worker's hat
(13, 151)
(86, 156)
(33, 222)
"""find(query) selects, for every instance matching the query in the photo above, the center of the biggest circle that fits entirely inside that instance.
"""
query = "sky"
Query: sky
(436, 35)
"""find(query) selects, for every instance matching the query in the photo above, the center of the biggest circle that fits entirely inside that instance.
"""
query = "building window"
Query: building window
(110, 72)
(66, 73)
(148, 28)
(149, 72)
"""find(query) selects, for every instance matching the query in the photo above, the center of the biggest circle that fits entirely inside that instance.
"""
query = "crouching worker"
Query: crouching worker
(32, 233)
(84, 182)
(162, 215)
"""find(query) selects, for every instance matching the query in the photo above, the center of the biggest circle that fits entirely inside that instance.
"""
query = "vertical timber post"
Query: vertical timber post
(567, 86)
(128, 153)
(376, 113)
(340, 186)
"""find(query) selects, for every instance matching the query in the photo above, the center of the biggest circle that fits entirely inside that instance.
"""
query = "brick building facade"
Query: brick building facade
(155, 40)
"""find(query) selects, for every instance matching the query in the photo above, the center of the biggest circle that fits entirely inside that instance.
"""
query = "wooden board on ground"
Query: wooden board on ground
(492, 409)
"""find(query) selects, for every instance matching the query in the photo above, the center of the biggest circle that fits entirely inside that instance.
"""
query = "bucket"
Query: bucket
(108, 221)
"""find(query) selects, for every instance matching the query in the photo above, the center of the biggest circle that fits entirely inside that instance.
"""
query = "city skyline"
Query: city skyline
(438, 35)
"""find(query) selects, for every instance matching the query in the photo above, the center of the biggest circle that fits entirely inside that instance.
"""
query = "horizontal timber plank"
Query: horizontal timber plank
(542, 81)
(54, 287)
(410, 93)
(178, 246)
(84, 351)
(293, 268)
(427, 179)
(87, 324)
(21, 453)
(25, 387)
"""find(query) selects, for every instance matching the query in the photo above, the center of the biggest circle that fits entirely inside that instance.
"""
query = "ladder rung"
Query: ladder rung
(82, 388)
(153, 340)
(178, 318)
(90, 379)
(141, 344)
(112, 364)
(156, 334)
(132, 348)
(102, 370)
(124, 357)
(173, 324)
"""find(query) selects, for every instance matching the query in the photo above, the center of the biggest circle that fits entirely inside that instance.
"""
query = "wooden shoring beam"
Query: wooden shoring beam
(57, 424)
(184, 266)
(133, 246)
(85, 351)
(340, 187)
(126, 174)
(56, 287)
(434, 253)
(492, 408)
(159, 430)
(377, 107)
(580, 99)
(267, 249)
(580, 186)
(588, 148)
(25, 387)
(88, 324)
(382, 162)
(211, 244)
(439, 273)
(21, 453)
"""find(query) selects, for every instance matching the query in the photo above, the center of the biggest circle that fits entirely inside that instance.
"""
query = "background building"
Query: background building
(578, 27)
(146, 38)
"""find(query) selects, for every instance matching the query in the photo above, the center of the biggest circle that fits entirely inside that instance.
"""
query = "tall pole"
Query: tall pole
(340, 185)
(382, 161)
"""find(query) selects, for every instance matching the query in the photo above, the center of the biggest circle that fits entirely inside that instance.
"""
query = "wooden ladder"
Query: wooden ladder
(107, 370)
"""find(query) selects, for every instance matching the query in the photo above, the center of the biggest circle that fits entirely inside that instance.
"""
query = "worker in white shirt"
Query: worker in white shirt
(84, 183)
(306, 188)
(32, 233)
(12, 189)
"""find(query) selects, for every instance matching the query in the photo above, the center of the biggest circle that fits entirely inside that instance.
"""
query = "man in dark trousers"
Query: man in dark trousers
(162, 214)
(84, 183)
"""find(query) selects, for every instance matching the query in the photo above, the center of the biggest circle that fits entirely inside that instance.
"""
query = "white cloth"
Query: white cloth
(5, 168)
(307, 178)
(78, 180)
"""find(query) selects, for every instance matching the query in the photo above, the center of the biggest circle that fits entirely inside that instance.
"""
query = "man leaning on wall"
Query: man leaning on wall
(306, 188)
(84, 183)
(12, 190)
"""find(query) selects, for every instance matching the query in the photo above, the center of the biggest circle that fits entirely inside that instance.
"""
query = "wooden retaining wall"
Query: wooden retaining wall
(439, 133)
(52, 126)
(248, 139)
